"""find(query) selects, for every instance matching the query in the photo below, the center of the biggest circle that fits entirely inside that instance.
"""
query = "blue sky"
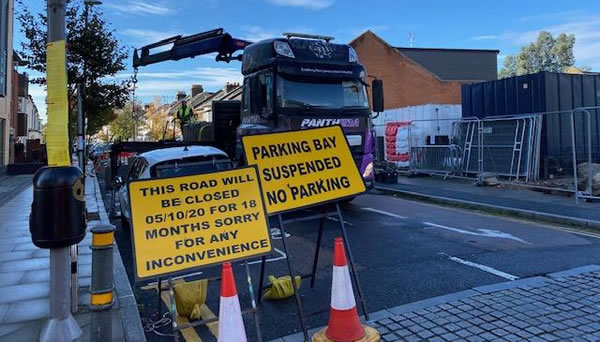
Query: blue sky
(503, 25)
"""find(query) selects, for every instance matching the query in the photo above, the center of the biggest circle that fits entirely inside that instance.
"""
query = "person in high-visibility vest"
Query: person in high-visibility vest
(184, 114)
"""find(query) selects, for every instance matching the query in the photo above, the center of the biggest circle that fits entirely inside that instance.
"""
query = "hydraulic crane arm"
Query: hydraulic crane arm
(191, 46)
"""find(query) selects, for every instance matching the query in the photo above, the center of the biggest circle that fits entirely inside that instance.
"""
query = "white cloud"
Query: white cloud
(309, 4)
(586, 29)
(483, 37)
(256, 33)
(168, 83)
(134, 7)
(140, 37)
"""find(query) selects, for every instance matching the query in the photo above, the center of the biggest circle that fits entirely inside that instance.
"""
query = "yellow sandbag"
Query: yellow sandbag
(281, 287)
(189, 296)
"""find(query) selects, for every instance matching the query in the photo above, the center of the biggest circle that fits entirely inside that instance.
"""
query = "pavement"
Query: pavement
(24, 272)
(562, 306)
(501, 199)
(10, 186)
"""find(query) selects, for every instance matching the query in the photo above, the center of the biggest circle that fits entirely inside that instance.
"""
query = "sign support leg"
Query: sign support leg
(351, 261)
(173, 311)
(316, 259)
(252, 299)
(261, 278)
(158, 299)
(289, 266)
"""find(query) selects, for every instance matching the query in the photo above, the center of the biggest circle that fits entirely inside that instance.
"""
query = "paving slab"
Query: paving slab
(24, 274)
(517, 311)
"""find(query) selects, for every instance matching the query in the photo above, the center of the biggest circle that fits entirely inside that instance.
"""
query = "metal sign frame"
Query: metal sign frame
(354, 276)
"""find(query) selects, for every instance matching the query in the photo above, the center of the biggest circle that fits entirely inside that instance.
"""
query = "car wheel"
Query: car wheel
(125, 223)
(347, 200)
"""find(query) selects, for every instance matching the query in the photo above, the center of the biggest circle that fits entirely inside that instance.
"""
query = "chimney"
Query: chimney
(229, 87)
(197, 89)
(180, 95)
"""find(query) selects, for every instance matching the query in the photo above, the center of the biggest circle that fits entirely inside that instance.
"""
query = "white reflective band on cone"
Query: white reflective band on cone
(231, 324)
(342, 296)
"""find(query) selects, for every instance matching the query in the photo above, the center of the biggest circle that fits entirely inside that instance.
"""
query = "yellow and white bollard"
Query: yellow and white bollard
(102, 299)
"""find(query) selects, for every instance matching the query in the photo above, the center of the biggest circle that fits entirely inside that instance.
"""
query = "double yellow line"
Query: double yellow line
(189, 334)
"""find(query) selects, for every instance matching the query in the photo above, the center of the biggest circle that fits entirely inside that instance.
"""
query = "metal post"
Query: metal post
(80, 131)
(102, 299)
(291, 273)
(318, 248)
(351, 261)
(74, 251)
(62, 326)
(480, 151)
(254, 309)
(261, 278)
(574, 152)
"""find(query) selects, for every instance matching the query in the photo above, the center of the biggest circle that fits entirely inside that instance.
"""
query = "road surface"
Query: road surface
(404, 251)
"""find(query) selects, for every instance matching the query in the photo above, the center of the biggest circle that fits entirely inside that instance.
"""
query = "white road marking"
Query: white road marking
(482, 267)
(384, 213)
(331, 218)
(281, 257)
(276, 234)
(480, 232)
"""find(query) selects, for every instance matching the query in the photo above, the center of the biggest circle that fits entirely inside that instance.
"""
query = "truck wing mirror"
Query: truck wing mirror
(377, 94)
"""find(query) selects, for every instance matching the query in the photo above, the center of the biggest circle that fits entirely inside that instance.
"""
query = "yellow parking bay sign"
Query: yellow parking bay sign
(302, 168)
(192, 221)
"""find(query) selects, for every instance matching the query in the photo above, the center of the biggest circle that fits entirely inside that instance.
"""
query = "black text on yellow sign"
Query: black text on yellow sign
(188, 222)
(303, 168)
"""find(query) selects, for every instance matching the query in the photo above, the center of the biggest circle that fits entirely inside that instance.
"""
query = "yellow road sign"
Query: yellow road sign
(302, 168)
(187, 222)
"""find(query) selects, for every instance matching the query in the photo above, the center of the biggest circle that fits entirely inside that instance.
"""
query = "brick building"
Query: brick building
(419, 76)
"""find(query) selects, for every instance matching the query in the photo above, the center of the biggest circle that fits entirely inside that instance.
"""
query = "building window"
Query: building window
(3, 45)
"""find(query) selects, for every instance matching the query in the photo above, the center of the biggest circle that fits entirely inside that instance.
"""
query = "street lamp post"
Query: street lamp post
(82, 88)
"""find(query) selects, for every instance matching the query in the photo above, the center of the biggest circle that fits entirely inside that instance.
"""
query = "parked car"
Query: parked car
(169, 162)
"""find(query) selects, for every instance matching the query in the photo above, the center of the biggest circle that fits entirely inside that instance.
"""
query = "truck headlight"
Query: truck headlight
(352, 56)
(368, 170)
(283, 49)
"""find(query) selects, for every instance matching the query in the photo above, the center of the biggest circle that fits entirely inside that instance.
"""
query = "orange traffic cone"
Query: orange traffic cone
(344, 324)
(231, 324)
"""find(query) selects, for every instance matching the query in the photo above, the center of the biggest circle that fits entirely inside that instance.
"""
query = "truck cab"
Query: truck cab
(294, 82)
(300, 82)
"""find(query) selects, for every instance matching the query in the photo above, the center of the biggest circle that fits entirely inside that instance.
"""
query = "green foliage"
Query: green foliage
(94, 57)
(547, 53)
(127, 122)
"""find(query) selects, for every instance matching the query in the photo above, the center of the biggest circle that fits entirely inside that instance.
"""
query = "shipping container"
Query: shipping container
(544, 92)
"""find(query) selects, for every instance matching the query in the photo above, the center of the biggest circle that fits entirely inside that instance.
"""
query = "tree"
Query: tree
(510, 67)
(127, 122)
(158, 120)
(545, 54)
(94, 57)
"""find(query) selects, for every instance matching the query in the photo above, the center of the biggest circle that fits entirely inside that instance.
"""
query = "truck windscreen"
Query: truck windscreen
(339, 94)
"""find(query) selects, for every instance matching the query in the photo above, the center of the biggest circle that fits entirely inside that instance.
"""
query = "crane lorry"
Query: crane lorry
(293, 82)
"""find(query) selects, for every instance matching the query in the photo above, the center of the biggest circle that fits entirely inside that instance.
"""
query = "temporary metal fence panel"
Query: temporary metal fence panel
(515, 148)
